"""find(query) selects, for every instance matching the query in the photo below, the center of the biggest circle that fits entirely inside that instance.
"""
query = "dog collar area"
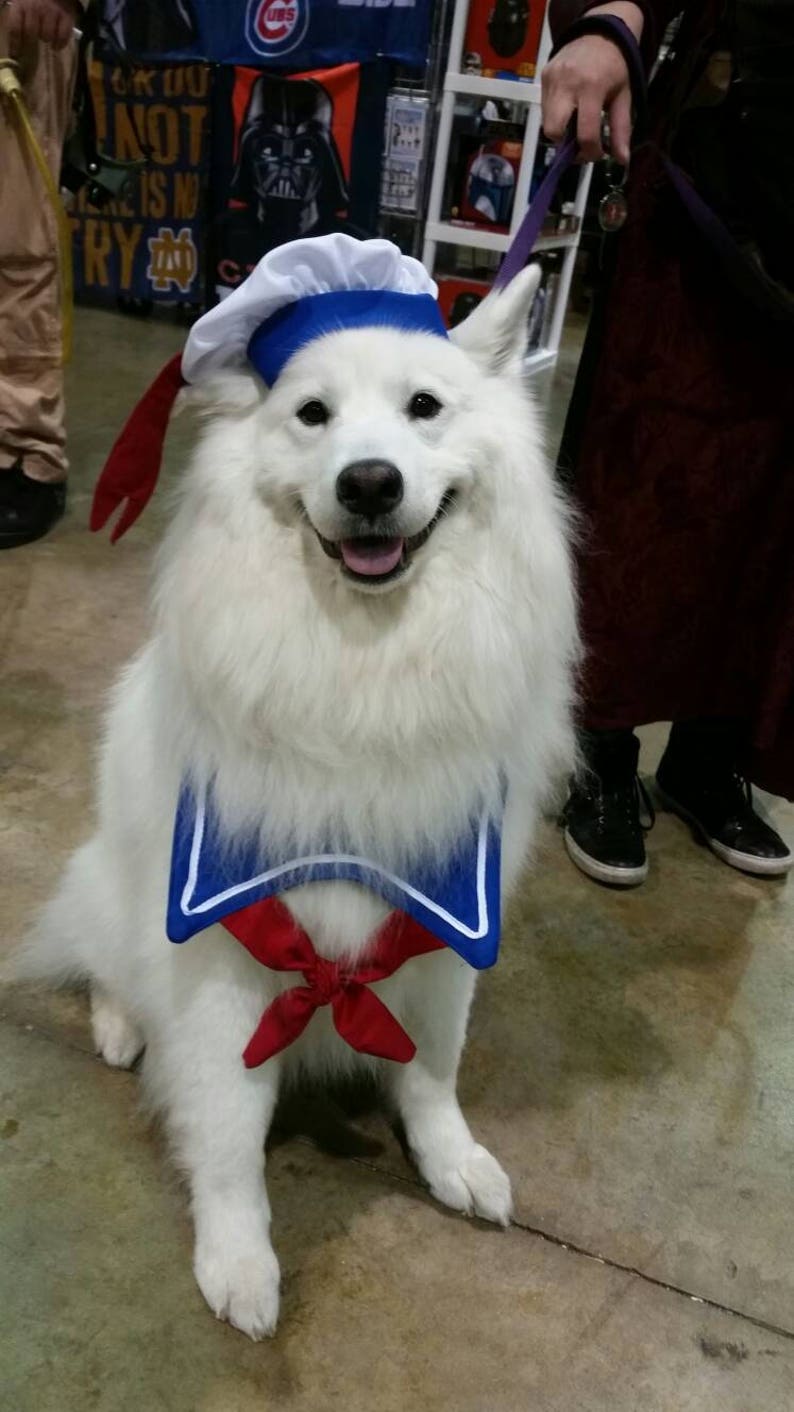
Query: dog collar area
(455, 904)
(457, 900)
(295, 325)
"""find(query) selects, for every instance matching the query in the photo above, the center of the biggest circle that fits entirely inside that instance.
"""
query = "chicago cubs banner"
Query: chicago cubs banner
(287, 33)
(150, 245)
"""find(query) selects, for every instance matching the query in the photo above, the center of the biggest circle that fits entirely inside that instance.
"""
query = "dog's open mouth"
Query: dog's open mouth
(374, 558)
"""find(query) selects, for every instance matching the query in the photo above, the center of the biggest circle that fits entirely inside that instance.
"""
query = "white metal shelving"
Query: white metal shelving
(441, 232)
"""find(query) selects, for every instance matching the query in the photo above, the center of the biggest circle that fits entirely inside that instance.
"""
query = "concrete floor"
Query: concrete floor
(630, 1061)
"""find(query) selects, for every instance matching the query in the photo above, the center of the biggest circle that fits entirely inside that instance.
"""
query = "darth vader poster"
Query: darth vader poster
(286, 145)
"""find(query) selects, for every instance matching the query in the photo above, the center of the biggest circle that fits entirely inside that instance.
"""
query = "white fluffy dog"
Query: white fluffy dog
(335, 689)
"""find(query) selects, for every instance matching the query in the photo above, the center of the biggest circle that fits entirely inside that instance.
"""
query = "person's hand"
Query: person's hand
(589, 76)
(51, 21)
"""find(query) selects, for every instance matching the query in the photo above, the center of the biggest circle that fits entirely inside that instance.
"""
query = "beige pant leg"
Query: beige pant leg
(31, 376)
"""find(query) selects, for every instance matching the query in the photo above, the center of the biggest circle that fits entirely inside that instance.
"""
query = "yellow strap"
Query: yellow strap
(11, 88)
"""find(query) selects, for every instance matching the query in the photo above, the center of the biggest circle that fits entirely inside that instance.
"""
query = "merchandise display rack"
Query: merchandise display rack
(407, 227)
(438, 231)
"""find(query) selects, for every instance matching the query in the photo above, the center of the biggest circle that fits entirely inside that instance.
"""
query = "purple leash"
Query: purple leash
(710, 226)
(523, 242)
(525, 238)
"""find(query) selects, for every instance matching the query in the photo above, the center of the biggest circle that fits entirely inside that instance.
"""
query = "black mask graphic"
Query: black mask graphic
(288, 171)
(507, 26)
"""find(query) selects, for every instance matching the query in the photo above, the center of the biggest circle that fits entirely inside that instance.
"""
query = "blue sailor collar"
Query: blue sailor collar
(458, 902)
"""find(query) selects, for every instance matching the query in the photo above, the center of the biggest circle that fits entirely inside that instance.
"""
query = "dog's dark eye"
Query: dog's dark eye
(313, 413)
(424, 405)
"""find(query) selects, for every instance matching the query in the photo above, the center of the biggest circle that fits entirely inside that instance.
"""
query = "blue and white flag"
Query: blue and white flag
(294, 34)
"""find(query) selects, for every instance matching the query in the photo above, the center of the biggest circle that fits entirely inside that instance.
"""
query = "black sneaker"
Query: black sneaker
(603, 821)
(28, 508)
(717, 802)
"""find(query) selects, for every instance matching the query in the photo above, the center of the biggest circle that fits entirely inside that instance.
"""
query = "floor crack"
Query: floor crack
(647, 1279)
(572, 1247)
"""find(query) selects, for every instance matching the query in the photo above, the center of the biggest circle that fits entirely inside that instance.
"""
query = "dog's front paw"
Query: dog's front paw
(242, 1288)
(475, 1184)
(116, 1037)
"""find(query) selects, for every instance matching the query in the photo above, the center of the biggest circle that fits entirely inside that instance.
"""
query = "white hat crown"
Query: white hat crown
(328, 264)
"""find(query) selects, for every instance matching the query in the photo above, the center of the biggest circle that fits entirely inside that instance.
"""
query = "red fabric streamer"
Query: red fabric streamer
(130, 473)
(269, 931)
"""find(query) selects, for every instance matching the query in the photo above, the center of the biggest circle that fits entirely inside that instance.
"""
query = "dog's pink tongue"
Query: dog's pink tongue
(371, 556)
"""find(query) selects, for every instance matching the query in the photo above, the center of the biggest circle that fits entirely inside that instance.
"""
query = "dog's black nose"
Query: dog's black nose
(369, 488)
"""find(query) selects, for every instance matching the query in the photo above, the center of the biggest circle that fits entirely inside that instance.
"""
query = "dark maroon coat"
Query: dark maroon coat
(680, 441)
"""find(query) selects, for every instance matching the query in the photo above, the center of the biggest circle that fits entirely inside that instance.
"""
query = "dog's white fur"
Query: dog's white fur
(376, 720)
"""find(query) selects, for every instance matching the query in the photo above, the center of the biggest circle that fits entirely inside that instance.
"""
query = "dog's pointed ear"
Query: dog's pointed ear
(495, 333)
(231, 391)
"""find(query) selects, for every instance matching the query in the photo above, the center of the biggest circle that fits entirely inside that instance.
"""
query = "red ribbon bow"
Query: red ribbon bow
(271, 934)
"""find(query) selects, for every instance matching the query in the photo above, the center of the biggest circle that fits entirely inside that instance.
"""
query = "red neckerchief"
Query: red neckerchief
(269, 931)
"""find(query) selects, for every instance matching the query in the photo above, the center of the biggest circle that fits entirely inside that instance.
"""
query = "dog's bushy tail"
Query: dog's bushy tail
(58, 945)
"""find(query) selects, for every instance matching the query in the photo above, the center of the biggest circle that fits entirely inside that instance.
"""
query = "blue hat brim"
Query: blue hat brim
(295, 325)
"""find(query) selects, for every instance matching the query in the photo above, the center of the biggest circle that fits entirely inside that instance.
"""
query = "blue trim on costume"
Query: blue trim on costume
(458, 902)
(296, 324)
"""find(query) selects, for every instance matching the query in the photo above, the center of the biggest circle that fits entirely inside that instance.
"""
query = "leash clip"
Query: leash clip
(9, 82)
(613, 207)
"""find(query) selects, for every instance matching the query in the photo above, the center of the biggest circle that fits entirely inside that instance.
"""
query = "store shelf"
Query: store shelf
(448, 234)
(538, 359)
(509, 90)
(478, 238)
(557, 242)
(438, 232)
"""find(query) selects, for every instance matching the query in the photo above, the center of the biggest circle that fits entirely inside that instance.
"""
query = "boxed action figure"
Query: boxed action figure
(503, 37)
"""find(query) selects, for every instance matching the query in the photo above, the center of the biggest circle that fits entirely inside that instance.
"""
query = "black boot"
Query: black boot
(698, 779)
(604, 829)
(28, 508)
